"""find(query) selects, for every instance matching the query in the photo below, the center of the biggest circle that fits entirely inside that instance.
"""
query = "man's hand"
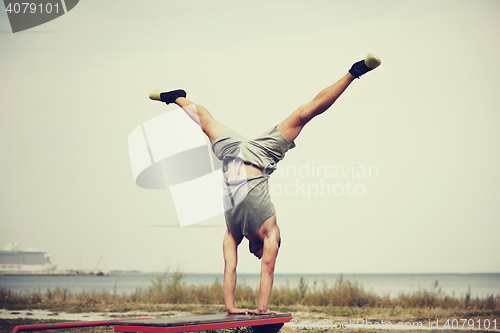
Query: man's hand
(260, 312)
(238, 311)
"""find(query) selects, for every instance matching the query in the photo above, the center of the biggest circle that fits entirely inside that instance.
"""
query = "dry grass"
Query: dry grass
(169, 288)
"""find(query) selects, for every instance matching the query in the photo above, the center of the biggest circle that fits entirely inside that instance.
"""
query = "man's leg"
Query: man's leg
(198, 113)
(291, 126)
(211, 127)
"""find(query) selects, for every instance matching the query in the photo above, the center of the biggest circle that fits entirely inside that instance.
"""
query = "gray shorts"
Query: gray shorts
(263, 152)
(247, 203)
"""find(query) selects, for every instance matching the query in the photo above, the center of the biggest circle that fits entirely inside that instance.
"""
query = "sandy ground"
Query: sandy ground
(288, 328)
(85, 316)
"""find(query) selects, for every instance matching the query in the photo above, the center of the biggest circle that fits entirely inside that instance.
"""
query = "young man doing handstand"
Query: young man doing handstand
(247, 165)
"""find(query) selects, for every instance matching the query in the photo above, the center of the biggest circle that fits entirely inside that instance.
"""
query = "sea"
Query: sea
(458, 285)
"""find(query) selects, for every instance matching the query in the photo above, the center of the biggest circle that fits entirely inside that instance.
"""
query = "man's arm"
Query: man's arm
(230, 249)
(267, 269)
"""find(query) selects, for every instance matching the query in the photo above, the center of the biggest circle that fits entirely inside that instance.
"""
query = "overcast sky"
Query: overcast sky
(73, 89)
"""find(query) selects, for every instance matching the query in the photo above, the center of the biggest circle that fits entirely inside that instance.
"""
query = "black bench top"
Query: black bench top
(208, 319)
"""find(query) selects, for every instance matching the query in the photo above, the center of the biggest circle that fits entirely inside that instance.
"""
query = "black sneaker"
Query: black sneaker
(167, 96)
(365, 65)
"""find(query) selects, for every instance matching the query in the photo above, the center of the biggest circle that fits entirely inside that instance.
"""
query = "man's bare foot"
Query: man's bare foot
(260, 312)
(238, 311)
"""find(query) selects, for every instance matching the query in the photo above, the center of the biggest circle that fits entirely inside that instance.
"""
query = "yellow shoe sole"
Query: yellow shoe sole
(372, 61)
(155, 95)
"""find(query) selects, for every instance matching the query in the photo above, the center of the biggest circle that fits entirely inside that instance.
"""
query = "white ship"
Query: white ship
(28, 260)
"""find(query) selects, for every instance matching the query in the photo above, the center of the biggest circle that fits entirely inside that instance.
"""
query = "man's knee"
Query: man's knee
(305, 113)
(310, 110)
(208, 125)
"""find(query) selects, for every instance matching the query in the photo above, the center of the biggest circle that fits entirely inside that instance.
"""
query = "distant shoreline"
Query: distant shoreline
(53, 273)
(70, 272)
(454, 285)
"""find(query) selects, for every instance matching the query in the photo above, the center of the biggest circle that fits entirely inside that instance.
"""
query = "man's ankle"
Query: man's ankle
(180, 100)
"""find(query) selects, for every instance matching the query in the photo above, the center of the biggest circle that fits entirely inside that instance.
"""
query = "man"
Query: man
(247, 165)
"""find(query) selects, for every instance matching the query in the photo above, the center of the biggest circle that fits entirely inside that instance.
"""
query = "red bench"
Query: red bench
(261, 324)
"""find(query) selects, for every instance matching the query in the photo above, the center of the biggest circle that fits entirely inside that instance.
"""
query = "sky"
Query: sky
(425, 123)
